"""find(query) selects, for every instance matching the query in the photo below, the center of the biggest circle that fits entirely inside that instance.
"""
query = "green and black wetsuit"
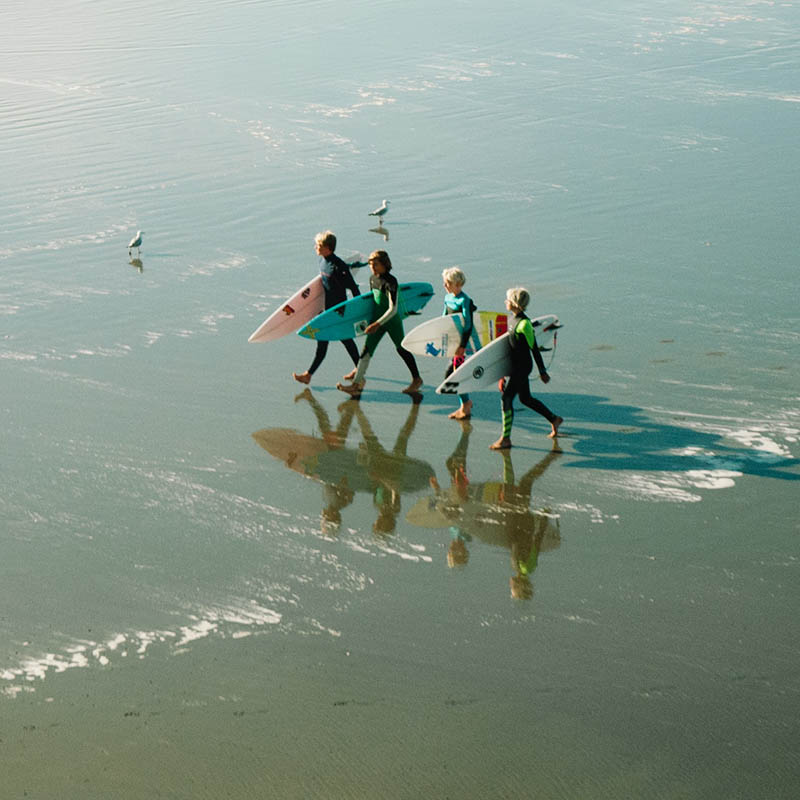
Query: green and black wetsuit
(523, 345)
(387, 315)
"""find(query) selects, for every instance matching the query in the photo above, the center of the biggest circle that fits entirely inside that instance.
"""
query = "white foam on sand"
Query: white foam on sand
(759, 440)
(235, 620)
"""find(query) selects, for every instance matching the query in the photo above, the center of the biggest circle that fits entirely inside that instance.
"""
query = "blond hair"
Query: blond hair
(454, 275)
(518, 297)
(326, 239)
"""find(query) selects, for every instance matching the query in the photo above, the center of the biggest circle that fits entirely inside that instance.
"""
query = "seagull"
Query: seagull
(135, 242)
(379, 212)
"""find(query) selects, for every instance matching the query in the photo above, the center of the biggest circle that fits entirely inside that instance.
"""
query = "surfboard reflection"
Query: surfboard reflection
(497, 513)
(344, 471)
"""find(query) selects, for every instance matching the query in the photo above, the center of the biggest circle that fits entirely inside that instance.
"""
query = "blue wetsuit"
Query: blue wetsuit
(462, 304)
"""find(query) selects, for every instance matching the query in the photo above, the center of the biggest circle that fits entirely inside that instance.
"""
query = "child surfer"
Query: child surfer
(336, 280)
(457, 301)
(523, 343)
(387, 320)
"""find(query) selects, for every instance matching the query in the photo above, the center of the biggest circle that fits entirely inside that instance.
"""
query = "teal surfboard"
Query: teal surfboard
(349, 319)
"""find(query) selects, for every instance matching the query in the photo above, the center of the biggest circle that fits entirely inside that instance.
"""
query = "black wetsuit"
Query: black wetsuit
(336, 280)
(522, 348)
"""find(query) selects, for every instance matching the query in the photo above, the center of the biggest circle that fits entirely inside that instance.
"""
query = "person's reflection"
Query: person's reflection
(524, 530)
(495, 512)
(451, 501)
(324, 459)
(392, 472)
(345, 471)
(338, 494)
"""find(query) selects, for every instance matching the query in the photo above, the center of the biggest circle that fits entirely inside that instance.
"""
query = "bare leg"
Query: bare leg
(319, 356)
(353, 389)
(555, 424)
(464, 411)
(414, 386)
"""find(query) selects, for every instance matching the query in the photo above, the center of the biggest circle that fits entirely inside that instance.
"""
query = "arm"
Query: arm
(350, 283)
(344, 277)
(467, 308)
(390, 312)
(526, 329)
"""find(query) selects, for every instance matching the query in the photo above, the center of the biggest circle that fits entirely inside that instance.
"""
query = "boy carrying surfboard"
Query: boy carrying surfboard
(336, 280)
(522, 341)
(387, 320)
(457, 301)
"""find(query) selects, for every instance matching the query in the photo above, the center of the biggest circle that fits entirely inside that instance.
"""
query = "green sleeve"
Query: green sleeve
(525, 328)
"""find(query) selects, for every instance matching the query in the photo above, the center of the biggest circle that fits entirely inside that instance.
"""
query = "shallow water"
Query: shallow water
(173, 595)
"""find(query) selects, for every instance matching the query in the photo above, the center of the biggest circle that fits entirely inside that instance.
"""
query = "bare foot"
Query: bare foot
(303, 377)
(354, 389)
(350, 375)
(462, 412)
(414, 386)
(555, 424)
(503, 443)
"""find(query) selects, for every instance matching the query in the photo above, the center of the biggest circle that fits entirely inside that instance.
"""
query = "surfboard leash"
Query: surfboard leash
(554, 327)
(553, 353)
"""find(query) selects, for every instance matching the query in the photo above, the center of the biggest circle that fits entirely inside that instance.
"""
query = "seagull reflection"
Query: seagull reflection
(381, 231)
(344, 471)
(136, 263)
(495, 512)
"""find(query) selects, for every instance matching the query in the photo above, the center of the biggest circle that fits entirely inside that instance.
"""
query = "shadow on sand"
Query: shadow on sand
(610, 436)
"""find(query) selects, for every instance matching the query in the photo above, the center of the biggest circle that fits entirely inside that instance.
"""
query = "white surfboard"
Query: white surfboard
(300, 308)
(493, 361)
(441, 336)
(480, 516)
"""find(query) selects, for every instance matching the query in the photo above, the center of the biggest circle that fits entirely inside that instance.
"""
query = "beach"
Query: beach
(216, 582)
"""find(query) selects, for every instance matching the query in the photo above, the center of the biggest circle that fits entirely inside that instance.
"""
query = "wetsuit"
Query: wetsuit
(462, 304)
(387, 308)
(523, 344)
(336, 280)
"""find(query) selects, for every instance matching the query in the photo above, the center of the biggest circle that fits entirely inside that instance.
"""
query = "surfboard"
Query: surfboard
(361, 469)
(300, 308)
(481, 518)
(493, 361)
(440, 337)
(314, 458)
(349, 319)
